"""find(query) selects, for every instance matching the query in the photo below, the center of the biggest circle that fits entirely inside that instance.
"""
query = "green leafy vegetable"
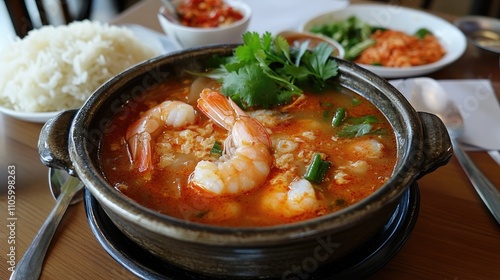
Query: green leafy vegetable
(317, 169)
(241, 83)
(355, 130)
(264, 71)
(422, 32)
(355, 101)
(353, 34)
(355, 127)
(357, 49)
(364, 119)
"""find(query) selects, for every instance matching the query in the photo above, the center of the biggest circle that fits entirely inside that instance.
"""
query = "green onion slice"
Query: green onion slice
(216, 148)
(357, 49)
(317, 169)
(338, 117)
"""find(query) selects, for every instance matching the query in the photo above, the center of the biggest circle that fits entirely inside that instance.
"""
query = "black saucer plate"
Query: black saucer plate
(357, 265)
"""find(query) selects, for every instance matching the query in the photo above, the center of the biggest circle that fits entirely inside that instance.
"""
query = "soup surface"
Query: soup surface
(173, 158)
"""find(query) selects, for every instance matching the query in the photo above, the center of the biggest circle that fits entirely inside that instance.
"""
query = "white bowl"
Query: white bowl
(402, 19)
(189, 37)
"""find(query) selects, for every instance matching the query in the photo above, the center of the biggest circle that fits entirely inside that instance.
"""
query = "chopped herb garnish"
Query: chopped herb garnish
(264, 71)
(355, 130)
(364, 119)
(355, 127)
(326, 104)
(355, 101)
(317, 169)
(216, 149)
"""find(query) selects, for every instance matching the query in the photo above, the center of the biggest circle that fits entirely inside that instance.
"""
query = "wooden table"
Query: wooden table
(455, 236)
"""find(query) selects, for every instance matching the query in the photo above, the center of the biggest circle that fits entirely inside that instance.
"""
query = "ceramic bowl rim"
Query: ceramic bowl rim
(241, 6)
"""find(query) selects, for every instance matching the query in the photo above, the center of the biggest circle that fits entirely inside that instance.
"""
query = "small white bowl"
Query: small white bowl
(189, 37)
(315, 39)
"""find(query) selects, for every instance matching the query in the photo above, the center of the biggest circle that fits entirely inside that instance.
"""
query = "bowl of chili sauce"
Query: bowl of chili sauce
(206, 22)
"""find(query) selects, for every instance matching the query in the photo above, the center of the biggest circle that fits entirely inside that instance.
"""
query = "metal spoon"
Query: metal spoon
(30, 266)
(170, 12)
(427, 95)
(487, 39)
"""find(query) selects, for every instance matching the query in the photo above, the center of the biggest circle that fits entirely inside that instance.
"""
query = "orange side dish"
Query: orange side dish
(207, 13)
(397, 49)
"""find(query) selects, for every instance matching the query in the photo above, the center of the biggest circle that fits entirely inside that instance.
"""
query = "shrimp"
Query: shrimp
(247, 156)
(175, 114)
(297, 198)
(301, 196)
(367, 148)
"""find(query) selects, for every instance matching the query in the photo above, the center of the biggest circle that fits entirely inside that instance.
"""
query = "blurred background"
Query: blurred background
(457, 7)
(94, 9)
(106, 9)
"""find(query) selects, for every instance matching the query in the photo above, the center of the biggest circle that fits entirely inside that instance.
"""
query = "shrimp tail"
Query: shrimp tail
(217, 107)
(225, 112)
(140, 134)
(140, 146)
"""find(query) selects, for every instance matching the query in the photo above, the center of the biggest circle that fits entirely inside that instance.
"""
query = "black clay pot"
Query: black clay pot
(71, 141)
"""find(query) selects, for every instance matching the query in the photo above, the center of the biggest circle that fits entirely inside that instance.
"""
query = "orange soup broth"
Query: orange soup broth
(166, 189)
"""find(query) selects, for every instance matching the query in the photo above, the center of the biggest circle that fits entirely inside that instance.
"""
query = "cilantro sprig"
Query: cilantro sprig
(264, 70)
(355, 127)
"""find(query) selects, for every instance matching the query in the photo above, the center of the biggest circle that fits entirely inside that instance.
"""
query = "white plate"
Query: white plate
(402, 19)
(36, 117)
(158, 41)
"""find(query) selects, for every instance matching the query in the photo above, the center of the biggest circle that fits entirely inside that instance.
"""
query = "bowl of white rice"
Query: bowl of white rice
(56, 68)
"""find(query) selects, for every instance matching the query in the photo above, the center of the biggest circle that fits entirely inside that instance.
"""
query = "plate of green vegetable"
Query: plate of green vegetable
(354, 26)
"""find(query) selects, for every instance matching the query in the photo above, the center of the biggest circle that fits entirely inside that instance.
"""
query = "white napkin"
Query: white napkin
(279, 15)
(479, 107)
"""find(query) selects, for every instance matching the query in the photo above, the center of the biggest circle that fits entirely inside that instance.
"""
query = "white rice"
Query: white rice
(58, 68)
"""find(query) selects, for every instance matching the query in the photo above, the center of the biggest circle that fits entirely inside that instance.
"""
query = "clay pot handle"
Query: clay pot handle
(53, 142)
(437, 149)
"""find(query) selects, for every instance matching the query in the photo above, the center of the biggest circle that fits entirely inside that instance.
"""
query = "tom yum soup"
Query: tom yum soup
(245, 150)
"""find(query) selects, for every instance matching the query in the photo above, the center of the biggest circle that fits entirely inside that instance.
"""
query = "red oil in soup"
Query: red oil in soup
(361, 150)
